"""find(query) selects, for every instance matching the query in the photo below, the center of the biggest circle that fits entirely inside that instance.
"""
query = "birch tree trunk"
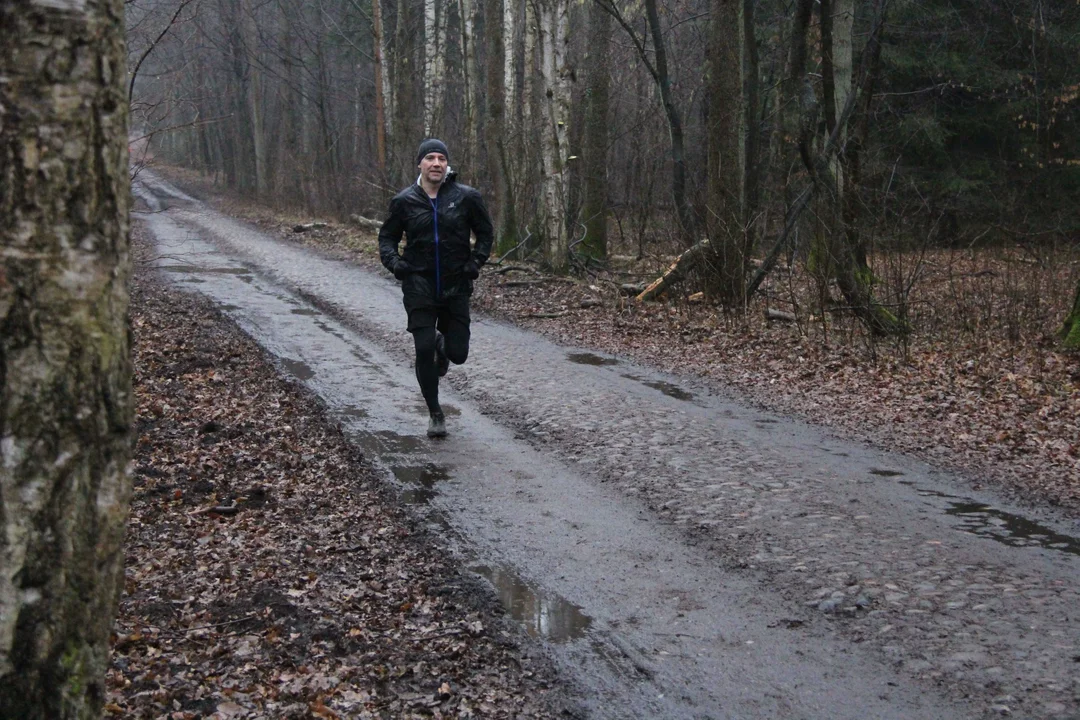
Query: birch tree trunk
(434, 66)
(65, 367)
(382, 86)
(497, 121)
(467, 13)
(531, 35)
(509, 27)
(553, 24)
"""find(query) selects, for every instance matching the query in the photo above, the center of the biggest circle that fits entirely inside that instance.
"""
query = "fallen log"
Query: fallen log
(365, 222)
(779, 315)
(309, 226)
(676, 272)
(500, 269)
(544, 315)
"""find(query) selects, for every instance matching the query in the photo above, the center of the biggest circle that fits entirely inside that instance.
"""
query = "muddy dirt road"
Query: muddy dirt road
(682, 556)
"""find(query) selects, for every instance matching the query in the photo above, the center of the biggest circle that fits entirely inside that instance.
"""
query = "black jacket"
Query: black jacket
(437, 250)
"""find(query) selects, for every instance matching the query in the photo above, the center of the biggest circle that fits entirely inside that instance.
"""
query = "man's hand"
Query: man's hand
(471, 270)
(401, 269)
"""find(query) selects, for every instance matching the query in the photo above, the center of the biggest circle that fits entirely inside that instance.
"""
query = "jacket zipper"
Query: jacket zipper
(438, 273)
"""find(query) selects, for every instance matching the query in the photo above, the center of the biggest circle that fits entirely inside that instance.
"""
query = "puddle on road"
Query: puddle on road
(670, 390)
(543, 614)
(1000, 526)
(296, 368)
(673, 391)
(420, 481)
(227, 307)
(197, 269)
(382, 442)
(885, 472)
(1010, 529)
(305, 311)
(591, 359)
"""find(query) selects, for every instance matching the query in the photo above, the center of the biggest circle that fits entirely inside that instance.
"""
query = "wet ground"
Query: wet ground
(683, 556)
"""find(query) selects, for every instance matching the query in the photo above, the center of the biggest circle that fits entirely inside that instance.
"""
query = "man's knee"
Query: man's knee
(424, 339)
(457, 349)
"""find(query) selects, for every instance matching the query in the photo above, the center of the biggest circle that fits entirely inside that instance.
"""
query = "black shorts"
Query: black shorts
(450, 314)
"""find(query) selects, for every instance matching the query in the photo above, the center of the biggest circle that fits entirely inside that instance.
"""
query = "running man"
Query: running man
(437, 267)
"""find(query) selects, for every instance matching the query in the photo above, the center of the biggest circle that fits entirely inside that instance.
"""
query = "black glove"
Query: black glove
(401, 269)
(472, 270)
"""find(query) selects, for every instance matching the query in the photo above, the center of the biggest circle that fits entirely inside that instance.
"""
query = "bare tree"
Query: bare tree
(657, 66)
(725, 218)
(65, 366)
(597, 124)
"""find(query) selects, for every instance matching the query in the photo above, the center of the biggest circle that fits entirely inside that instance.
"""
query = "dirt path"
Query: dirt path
(703, 559)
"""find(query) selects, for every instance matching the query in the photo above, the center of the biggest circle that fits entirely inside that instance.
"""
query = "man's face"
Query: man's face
(433, 167)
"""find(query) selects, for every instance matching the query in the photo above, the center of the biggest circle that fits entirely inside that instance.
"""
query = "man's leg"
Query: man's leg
(426, 372)
(422, 327)
(454, 324)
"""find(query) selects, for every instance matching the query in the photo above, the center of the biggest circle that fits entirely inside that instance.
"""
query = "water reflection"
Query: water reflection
(298, 369)
(1000, 526)
(591, 359)
(543, 614)
(673, 391)
(420, 481)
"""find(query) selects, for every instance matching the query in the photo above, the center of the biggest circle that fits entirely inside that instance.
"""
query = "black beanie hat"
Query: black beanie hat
(429, 146)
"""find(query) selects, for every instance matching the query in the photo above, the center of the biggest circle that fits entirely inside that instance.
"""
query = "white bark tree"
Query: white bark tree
(553, 25)
(384, 105)
(434, 65)
(467, 12)
(65, 361)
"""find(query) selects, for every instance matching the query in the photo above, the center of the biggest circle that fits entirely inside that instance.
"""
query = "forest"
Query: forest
(910, 163)
(860, 215)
